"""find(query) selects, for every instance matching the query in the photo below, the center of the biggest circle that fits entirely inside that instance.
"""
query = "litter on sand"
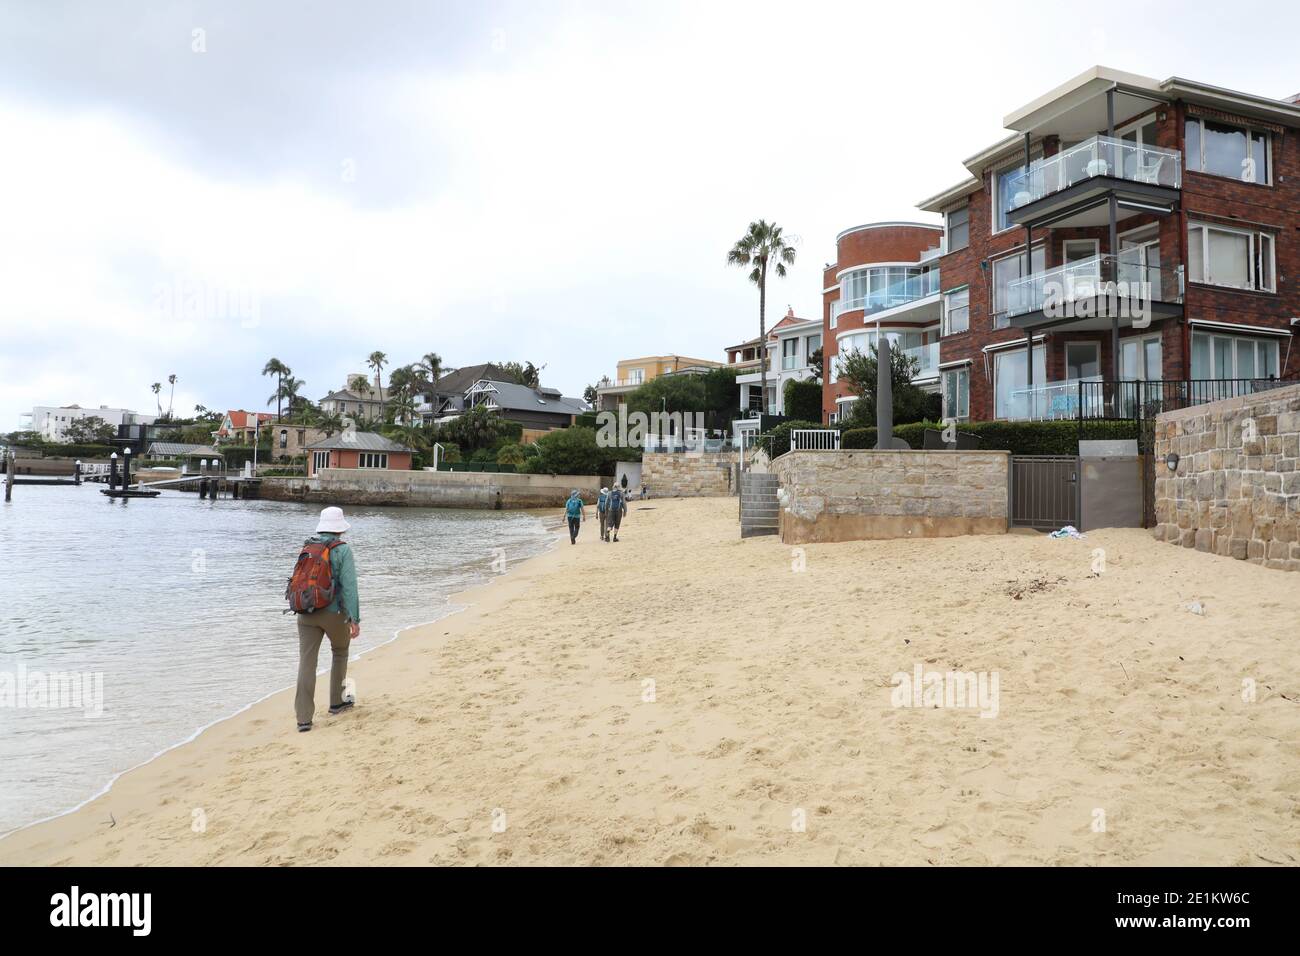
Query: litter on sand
(1069, 531)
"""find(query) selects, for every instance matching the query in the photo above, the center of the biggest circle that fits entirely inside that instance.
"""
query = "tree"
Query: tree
(510, 454)
(329, 423)
(669, 393)
(721, 393)
(377, 361)
(527, 374)
(817, 360)
(568, 451)
(156, 388)
(288, 390)
(762, 250)
(279, 370)
(858, 371)
(590, 396)
(90, 430)
(171, 400)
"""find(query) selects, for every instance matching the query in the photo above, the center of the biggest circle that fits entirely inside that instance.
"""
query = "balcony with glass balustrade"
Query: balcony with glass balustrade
(1073, 187)
(1087, 295)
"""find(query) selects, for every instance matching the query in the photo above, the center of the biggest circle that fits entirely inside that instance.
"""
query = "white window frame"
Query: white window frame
(1142, 341)
(947, 229)
(320, 459)
(1214, 335)
(995, 215)
(1256, 240)
(962, 376)
(946, 328)
(1199, 166)
(372, 459)
(789, 356)
(1019, 255)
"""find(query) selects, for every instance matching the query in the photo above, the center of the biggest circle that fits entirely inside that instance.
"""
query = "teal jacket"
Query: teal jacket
(344, 571)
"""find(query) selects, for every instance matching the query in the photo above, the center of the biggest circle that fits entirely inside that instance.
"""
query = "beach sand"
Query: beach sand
(517, 732)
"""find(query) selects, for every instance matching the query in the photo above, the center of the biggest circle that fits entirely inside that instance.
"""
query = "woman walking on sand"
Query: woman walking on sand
(601, 503)
(575, 513)
(323, 593)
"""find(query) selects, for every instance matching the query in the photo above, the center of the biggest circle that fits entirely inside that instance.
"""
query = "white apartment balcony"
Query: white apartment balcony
(1073, 188)
(1054, 401)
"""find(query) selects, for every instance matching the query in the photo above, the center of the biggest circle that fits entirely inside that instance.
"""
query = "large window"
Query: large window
(835, 314)
(956, 394)
(880, 287)
(789, 354)
(1006, 271)
(320, 459)
(1011, 379)
(1232, 356)
(958, 229)
(1237, 258)
(956, 311)
(1140, 359)
(1082, 360)
(372, 459)
(1236, 152)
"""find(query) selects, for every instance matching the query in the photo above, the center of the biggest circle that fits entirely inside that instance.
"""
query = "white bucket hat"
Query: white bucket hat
(604, 491)
(331, 519)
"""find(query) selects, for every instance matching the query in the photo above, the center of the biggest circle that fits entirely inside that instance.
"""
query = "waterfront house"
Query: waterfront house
(353, 449)
(189, 455)
(538, 410)
(1128, 229)
(791, 346)
(446, 399)
(631, 374)
(240, 427)
(356, 402)
(52, 421)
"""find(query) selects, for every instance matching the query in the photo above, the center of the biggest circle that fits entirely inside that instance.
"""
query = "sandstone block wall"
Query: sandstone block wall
(1236, 490)
(688, 475)
(857, 495)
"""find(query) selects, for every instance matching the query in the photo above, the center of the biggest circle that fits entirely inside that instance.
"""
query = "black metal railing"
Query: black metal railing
(1137, 401)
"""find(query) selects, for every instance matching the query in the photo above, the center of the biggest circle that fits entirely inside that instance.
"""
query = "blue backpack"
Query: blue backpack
(573, 508)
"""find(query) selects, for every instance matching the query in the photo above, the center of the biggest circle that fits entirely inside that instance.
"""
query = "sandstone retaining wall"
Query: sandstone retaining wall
(688, 475)
(1236, 488)
(860, 495)
(434, 489)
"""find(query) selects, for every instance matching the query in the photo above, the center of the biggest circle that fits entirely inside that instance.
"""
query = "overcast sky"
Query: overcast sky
(542, 181)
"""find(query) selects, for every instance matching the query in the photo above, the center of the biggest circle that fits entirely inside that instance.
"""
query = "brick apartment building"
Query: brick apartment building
(885, 278)
(1116, 183)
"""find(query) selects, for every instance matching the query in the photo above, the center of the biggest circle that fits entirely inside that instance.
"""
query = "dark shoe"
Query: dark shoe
(303, 728)
(338, 709)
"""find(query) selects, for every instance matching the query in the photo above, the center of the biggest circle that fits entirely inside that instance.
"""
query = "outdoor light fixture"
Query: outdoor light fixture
(1171, 461)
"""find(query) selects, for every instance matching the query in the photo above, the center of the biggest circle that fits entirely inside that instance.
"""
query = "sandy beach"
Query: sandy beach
(685, 697)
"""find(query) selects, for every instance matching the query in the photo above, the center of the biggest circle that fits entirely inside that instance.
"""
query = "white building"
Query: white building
(52, 421)
(791, 344)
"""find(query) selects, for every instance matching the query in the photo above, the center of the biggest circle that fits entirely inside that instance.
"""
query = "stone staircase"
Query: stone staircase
(759, 512)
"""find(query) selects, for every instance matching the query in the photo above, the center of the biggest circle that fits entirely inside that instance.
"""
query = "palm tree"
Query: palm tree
(329, 423)
(761, 249)
(289, 389)
(171, 400)
(156, 388)
(377, 361)
(279, 370)
(431, 365)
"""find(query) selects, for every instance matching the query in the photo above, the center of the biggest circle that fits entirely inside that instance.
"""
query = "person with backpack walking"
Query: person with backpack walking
(615, 509)
(601, 503)
(575, 513)
(322, 592)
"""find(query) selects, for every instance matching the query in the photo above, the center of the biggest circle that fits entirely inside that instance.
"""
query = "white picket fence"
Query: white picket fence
(814, 439)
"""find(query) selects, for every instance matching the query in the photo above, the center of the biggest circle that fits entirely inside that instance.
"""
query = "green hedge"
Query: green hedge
(1019, 438)
(777, 441)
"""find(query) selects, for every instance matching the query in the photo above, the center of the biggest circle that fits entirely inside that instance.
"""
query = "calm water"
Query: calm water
(177, 603)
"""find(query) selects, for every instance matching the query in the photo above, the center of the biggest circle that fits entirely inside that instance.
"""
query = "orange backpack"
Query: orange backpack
(311, 586)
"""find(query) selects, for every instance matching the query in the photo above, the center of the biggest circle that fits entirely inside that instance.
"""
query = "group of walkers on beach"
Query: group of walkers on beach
(611, 507)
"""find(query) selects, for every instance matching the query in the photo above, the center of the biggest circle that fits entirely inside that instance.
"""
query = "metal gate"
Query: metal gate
(1044, 491)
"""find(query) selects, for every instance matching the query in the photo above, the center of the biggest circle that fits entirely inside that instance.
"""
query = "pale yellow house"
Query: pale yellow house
(635, 372)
